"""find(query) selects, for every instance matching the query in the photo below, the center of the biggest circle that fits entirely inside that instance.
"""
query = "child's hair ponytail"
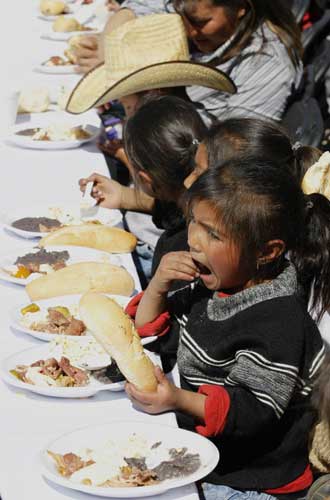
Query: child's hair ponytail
(311, 257)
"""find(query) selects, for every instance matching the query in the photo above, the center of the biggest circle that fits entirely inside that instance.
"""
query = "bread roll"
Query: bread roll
(52, 7)
(80, 278)
(317, 177)
(115, 331)
(109, 239)
(33, 100)
(74, 41)
(65, 24)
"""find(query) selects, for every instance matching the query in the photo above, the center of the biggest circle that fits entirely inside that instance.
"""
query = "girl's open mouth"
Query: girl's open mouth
(203, 270)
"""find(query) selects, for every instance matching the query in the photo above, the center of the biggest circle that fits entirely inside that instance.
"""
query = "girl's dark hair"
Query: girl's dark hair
(162, 139)
(275, 13)
(259, 200)
(254, 137)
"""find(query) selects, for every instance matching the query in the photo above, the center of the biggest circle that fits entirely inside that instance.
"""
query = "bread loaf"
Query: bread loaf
(66, 24)
(33, 100)
(81, 277)
(115, 331)
(317, 177)
(108, 239)
(52, 7)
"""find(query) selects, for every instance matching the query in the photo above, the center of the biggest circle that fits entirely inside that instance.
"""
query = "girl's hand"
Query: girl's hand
(112, 5)
(173, 266)
(163, 399)
(107, 192)
(87, 53)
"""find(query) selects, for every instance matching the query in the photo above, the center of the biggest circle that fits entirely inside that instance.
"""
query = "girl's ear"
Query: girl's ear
(241, 13)
(272, 250)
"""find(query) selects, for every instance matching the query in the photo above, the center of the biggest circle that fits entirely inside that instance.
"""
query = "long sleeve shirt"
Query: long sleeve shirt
(263, 73)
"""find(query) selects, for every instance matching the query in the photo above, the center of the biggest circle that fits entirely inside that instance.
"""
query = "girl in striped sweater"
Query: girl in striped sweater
(248, 350)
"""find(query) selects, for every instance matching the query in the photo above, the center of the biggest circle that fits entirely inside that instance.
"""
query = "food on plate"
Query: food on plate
(56, 132)
(31, 308)
(58, 320)
(53, 7)
(71, 56)
(52, 372)
(41, 262)
(101, 237)
(316, 179)
(74, 41)
(37, 224)
(134, 461)
(66, 24)
(57, 61)
(34, 100)
(84, 352)
(115, 331)
(80, 278)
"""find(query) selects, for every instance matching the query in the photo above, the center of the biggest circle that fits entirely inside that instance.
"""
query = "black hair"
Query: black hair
(161, 139)
(275, 13)
(254, 137)
(259, 200)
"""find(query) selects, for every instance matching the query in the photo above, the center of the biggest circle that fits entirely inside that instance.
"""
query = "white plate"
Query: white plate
(77, 254)
(93, 437)
(59, 36)
(27, 142)
(57, 70)
(29, 356)
(69, 213)
(66, 301)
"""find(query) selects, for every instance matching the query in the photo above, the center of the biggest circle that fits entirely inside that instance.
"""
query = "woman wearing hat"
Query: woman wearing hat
(255, 42)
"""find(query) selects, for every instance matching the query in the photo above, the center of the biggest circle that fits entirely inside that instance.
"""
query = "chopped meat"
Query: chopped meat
(56, 317)
(69, 463)
(75, 327)
(79, 376)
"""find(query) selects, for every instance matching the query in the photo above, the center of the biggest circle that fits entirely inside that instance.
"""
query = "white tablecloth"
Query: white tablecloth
(28, 422)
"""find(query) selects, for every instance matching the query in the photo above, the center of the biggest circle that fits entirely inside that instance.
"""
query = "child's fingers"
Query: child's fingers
(144, 398)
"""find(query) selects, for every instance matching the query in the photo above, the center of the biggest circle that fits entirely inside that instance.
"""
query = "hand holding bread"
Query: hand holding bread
(115, 331)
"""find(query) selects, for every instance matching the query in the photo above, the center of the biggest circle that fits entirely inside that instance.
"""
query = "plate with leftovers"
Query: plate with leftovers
(37, 221)
(49, 371)
(128, 459)
(54, 136)
(32, 262)
(57, 65)
(50, 318)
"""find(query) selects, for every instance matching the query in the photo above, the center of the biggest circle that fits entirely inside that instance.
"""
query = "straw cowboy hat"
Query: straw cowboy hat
(146, 53)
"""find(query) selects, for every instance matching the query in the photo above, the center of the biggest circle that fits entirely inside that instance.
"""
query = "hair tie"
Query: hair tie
(195, 142)
(297, 145)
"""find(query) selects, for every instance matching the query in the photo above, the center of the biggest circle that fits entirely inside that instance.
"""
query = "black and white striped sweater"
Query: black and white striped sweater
(262, 346)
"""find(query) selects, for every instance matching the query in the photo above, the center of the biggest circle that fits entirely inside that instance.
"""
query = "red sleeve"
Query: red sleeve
(217, 406)
(160, 326)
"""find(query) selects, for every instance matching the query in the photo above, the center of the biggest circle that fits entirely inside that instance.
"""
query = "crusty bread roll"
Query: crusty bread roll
(109, 239)
(74, 41)
(66, 24)
(80, 278)
(52, 7)
(317, 177)
(115, 331)
(34, 100)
